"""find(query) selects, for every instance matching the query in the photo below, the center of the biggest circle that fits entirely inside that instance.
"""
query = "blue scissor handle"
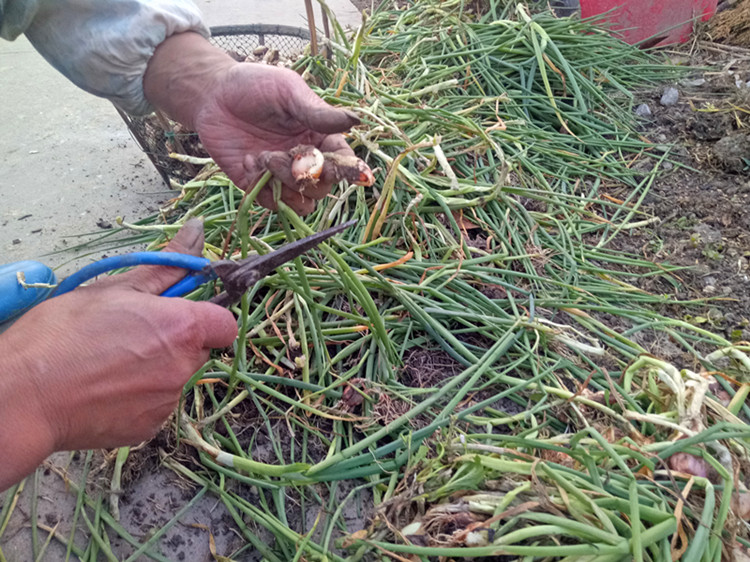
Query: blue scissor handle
(189, 283)
(15, 298)
(184, 261)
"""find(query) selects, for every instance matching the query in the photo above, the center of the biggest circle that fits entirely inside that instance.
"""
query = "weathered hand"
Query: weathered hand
(104, 365)
(248, 115)
(258, 114)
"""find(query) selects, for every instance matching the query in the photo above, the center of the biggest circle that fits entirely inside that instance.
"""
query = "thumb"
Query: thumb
(155, 279)
(317, 115)
(188, 240)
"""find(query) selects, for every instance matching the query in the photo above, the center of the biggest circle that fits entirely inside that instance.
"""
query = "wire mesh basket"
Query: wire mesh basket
(157, 136)
(244, 39)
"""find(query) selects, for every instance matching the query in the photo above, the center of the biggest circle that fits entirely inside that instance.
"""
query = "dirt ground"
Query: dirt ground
(368, 5)
(702, 195)
(701, 198)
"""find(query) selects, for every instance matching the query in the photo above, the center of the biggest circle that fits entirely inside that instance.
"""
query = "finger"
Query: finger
(280, 165)
(155, 279)
(317, 115)
(218, 324)
(189, 239)
(299, 202)
(329, 120)
(328, 177)
(343, 166)
(266, 200)
(337, 144)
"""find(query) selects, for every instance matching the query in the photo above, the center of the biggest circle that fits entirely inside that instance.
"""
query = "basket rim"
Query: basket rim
(260, 29)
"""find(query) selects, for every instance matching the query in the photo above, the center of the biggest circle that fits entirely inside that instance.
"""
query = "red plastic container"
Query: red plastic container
(663, 21)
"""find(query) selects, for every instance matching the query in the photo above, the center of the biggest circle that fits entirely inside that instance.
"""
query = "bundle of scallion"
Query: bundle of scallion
(473, 365)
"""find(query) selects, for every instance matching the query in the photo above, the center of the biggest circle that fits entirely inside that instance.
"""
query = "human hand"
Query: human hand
(258, 115)
(249, 116)
(104, 365)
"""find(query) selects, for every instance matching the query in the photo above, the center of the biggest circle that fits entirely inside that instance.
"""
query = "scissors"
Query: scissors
(18, 294)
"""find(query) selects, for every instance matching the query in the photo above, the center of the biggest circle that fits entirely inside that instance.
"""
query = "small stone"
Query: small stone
(715, 315)
(643, 110)
(693, 83)
(708, 234)
(101, 223)
(670, 97)
(16, 241)
(709, 281)
(667, 166)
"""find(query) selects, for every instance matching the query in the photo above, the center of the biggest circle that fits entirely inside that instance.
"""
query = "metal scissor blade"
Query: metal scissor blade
(248, 272)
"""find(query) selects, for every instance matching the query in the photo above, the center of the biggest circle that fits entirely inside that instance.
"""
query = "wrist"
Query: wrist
(182, 74)
(26, 436)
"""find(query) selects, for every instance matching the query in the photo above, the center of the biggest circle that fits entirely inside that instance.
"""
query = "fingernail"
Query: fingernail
(353, 117)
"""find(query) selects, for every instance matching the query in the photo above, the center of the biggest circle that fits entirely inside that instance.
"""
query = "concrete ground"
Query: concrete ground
(68, 163)
(67, 159)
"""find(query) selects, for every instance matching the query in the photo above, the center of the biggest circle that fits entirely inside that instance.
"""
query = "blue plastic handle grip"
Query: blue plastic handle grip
(188, 284)
(185, 261)
(15, 299)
